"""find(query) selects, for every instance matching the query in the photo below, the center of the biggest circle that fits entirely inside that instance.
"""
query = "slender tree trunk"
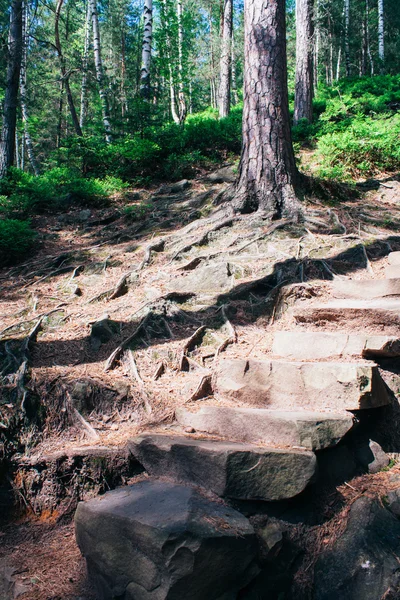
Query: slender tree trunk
(330, 44)
(124, 101)
(60, 114)
(347, 36)
(225, 65)
(234, 82)
(267, 172)
(213, 91)
(23, 91)
(23, 152)
(338, 63)
(181, 93)
(145, 90)
(304, 60)
(85, 61)
(99, 71)
(17, 161)
(14, 57)
(381, 35)
(317, 36)
(172, 95)
(371, 60)
(63, 69)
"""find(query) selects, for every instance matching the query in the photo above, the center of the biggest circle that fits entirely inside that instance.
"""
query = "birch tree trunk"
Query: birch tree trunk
(85, 61)
(99, 71)
(304, 60)
(63, 69)
(267, 171)
(381, 36)
(145, 90)
(225, 68)
(23, 91)
(181, 93)
(347, 36)
(14, 57)
(172, 94)
(369, 53)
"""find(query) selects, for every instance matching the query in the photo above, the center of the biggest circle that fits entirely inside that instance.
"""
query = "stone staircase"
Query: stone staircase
(260, 436)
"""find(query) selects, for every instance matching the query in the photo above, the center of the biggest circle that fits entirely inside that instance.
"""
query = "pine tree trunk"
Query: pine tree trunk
(145, 90)
(23, 91)
(99, 71)
(14, 57)
(304, 60)
(85, 61)
(181, 93)
(347, 36)
(267, 172)
(234, 82)
(63, 69)
(381, 35)
(316, 46)
(369, 53)
(224, 99)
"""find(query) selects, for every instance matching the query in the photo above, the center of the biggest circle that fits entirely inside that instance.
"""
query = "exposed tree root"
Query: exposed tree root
(160, 370)
(232, 339)
(157, 246)
(203, 239)
(134, 370)
(115, 356)
(190, 344)
(268, 231)
(204, 388)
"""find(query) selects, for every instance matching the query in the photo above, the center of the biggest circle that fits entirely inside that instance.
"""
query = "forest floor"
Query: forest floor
(123, 320)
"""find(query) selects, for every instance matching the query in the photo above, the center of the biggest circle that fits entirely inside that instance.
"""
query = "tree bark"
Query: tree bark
(225, 65)
(85, 61)
(181, 93)
(145, 89)
(381, 36)
(347, 36)
(304, 60)
(234, 82)
(7, 146)
(63, 69)
(267, 171)
(99, 71)
(23, 91)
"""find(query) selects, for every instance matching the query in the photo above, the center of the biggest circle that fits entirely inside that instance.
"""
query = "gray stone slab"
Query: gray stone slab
(321, 386)
(394, 258)
(366, 289)
(357, 313)
(234, 470)
(314, 345)
(310, 430)
(157, 540)
(392, 271)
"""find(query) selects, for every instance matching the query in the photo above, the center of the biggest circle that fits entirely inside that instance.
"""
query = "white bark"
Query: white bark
(85, 60)
(225, 64)
(381, 35)
(99, 71)
(23, 91)
(347, 36)
(181, 93)
(145, 90)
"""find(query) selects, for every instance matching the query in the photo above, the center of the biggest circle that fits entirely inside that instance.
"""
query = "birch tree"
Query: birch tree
(381, 35)
(181, 93)
(99, 71)
(346, 11)
(225, 68)
(267, 171)
(23, 92)
(14, 58)
(145, 89)
(85, 61)
(304, 60)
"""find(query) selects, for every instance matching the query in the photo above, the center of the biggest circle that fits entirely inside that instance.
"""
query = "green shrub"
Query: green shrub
(16, 240)
(137, 212)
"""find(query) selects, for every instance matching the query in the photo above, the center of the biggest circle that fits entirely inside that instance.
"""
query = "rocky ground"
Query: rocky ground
(167, 326)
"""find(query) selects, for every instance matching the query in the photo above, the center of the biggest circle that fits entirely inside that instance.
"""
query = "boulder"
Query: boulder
(275, 384)
(214, 278)
(366, 289)
(102, 331)
(223, 175)
(312, 345)
(233, 470)
(174, 188)
(380, 312)
(157, 540)
(310, 430)
(371, 456)
(363, 563)
(392, 501)
(392, 271)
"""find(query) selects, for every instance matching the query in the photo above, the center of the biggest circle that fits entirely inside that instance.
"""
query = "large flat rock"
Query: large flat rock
(157, 540)
(280, 384)
(394, 258)
(314, 345)
(233, 470)
(392, 271)
(213, 278)
(359, 314)
(310, 430)
(366, 289)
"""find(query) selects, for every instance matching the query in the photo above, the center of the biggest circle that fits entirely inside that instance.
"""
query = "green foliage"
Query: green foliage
(57, 188)
(137, 212)
(16, 239)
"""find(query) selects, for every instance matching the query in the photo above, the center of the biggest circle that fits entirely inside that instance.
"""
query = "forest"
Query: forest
(199, 318)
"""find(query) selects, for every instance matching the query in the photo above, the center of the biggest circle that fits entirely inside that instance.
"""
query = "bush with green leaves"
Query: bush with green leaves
(16, 240)
(23, 194)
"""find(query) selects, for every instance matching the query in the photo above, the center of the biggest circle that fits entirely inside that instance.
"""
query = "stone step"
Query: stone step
(155, 540)
(312, 345)
(366, 289)
(392, 271)
(394, 258)
(310, 430)
(234, 470)
(320, 386)
(357, 313)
